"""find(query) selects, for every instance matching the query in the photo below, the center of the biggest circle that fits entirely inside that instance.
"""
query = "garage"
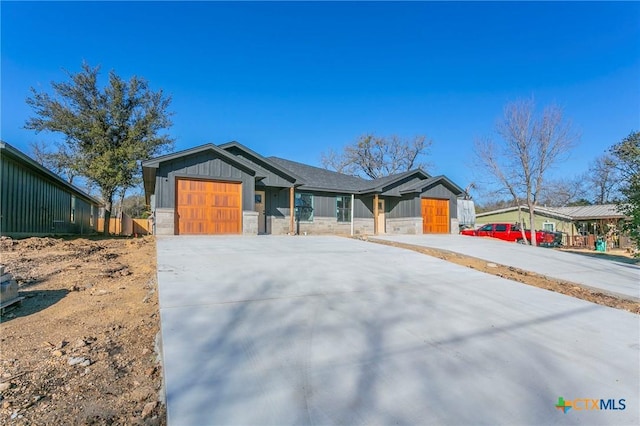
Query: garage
(435, 216)
(208, 207)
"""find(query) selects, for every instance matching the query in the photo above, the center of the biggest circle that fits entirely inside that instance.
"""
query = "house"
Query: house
(35, 201)
(230, 189)
(581, 224)
(546, 219)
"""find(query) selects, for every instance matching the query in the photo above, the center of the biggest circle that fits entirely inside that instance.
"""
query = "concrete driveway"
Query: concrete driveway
(327, 330)
(616, 278)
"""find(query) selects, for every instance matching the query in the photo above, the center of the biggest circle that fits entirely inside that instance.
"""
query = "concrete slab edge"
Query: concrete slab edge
(422, 249)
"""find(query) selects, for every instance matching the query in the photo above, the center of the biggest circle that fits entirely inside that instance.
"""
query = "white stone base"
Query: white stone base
(165, 221)
(455, 226)
(405, 225)
(249, 223)
(278, 225)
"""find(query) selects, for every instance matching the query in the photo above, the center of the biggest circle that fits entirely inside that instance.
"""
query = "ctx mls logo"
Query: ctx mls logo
(583, 404)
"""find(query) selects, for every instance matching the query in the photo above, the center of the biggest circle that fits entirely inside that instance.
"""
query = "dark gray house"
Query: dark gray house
(35, 201)
(230, 189)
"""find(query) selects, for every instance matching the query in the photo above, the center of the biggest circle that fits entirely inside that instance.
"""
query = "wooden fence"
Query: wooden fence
(125, 225)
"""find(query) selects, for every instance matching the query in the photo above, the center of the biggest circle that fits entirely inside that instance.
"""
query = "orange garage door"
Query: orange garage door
(435, 216)
(206, 207)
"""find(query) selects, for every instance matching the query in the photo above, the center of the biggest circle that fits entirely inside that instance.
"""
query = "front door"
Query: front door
(259, 207)
(381, 221)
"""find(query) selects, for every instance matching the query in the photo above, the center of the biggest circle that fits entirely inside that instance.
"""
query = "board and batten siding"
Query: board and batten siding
(32, 204)
(277, 201)
(204, 165)
(271, 177)
(363, 207)
(405, 206)
(325, 204)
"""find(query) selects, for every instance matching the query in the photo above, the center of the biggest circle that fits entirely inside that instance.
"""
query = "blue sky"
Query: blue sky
(294, 79)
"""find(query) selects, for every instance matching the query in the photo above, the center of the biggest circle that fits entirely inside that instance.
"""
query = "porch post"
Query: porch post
(352, 212)
(291, 210)
(375, 214)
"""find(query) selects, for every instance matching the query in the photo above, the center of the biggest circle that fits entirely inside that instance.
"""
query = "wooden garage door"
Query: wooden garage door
(435, 216)
(206, 207)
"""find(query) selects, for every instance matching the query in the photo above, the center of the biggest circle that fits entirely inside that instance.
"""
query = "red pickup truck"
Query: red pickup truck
(510, 232)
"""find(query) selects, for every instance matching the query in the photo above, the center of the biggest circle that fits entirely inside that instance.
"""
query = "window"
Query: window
(549, 226)
(343, 208)
(501, 227)
(304, 207)
(73, 209)
(488, 227)
(91, 216)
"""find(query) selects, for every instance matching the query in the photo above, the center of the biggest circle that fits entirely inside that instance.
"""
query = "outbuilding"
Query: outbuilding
(34, 201)
(230, 189)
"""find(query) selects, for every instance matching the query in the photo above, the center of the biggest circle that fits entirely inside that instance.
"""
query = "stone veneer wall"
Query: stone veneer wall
(278, 225)
(164, 221)
(330, 225)
(324, 225)
(249, 222)
(405, 225)
(361, 226)
(455, 226)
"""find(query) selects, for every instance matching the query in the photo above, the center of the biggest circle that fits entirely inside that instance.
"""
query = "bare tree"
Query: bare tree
(60, 161)
(605, 179)
(493, 202)
(565, 191)
(528, 146)
(374, 156)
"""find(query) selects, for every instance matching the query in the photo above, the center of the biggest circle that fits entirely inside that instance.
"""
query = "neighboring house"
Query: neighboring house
(546, 219)
(230, 189)
(581, 224)
(597, 219)
(35, 201)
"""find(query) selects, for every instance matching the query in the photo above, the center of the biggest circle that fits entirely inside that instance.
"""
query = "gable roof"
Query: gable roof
(149, 167)
(316, 178)
(385, 183)
(300, 175)
(25, 160)
(600, 211)
(256, 159)
(421, 186)
(240, 162)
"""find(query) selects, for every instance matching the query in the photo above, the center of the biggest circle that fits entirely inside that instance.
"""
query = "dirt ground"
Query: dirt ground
(81, 347)
(531, 278)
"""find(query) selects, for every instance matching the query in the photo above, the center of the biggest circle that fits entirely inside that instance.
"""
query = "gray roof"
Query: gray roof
(256, 158)
(154, 163)
(316, 178)
(599, 211)
(322, 179)
(544, 211)
(421, 185)
(304, 176)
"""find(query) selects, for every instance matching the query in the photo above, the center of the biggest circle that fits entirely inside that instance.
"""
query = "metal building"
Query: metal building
(35, 201)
